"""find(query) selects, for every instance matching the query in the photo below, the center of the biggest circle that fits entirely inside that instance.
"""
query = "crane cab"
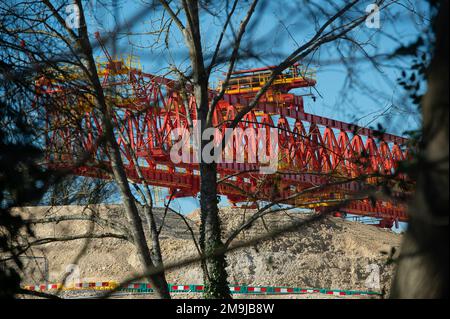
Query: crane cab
(249, 82)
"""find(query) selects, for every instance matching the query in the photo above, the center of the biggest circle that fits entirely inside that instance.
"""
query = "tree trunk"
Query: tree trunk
(423, 263)
(158, 280)
(215, 275)
(156, 254)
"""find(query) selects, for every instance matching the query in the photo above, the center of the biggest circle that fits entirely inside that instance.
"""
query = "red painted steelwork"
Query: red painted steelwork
(314, 150)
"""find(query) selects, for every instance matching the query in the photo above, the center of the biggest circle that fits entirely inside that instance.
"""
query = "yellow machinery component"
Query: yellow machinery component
(119, 94)
(157, 191)
(86, 103)
(133, 62)
(329, 199)
(69, 73)
(283, 162)
(118, 65)
(251, 81)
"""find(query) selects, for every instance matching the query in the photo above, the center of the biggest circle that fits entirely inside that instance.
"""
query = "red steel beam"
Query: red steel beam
(317, 150)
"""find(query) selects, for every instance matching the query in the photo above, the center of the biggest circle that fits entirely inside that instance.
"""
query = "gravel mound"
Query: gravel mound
(332, 253)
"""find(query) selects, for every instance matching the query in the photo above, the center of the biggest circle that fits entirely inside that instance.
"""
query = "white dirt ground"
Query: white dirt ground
(332, 253)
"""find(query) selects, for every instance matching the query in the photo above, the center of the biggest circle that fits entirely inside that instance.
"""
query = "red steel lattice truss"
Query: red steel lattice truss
(313, 150)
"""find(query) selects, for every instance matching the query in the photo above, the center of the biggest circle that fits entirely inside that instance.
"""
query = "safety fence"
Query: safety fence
(174, 288)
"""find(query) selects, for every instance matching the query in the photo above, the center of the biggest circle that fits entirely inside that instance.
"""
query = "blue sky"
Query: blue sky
(365, 109)
(381, 102)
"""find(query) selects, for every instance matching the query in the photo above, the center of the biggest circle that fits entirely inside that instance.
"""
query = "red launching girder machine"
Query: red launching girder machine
(314, 151)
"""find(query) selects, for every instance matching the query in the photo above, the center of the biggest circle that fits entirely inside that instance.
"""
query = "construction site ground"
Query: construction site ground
(331, 253)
